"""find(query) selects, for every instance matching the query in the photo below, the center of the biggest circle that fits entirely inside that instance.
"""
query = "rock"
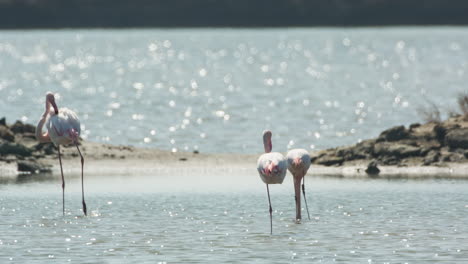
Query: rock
(393, 134)
(15, 149)
(361, 150)
(8, 158)
(439, 132)
(372, 168)
(29, 135)
(389, 160)
(48, 148)
(364, 149)
(413, 126)
(431, 157)
(6, 134)
(32, 166)
(329, 160)
(317, 155)
(19, 127)
(457, 138)
(396, 150)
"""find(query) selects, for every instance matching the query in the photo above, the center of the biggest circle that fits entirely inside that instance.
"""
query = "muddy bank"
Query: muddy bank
(436, 144)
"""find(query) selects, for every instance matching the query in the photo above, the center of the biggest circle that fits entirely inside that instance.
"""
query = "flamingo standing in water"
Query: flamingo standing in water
(298, 164)
(271, 167)
(63, 129)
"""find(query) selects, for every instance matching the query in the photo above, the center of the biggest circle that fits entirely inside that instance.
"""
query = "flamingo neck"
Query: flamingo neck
(267, 144)
(50, 102)
(43, 137)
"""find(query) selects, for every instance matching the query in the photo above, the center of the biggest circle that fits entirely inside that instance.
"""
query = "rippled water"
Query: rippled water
(216, 90)
(175, 217)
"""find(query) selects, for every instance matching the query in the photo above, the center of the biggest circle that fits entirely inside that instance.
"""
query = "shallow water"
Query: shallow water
(216, 90)
(222, 216)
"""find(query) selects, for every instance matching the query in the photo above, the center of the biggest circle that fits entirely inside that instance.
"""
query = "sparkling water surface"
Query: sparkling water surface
(176, 217)
(216, 90)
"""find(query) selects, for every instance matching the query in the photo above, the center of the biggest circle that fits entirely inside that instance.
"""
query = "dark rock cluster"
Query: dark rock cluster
(18, 144)
(429, 144)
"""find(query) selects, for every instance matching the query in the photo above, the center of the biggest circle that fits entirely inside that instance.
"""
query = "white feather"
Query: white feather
(276, 176)
(60, 126)
(303, 166)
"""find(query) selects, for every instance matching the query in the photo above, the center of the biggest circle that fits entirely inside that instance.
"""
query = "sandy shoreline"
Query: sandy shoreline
(432, 150)
(126, 160)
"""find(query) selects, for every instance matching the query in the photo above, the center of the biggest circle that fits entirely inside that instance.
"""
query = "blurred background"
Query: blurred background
(211, 75)
(229, 13)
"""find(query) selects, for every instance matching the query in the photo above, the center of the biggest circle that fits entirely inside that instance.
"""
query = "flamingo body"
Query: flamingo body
(298, 161)
(298, 165)
(272, 167)
(63, 128)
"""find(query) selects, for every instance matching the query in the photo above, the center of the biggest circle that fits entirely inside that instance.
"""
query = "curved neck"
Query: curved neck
(39, 135)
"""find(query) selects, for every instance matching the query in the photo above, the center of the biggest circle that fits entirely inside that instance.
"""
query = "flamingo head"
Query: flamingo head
(267, 141)
(297, 161)
(50, 99)
(271, 168)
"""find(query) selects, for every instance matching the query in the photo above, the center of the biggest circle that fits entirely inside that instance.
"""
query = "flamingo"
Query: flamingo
(298, 164)
(63, 128)
(271, 167)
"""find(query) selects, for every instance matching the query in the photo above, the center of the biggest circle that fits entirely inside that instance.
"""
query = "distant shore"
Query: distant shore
(430, 150)
(25, 14)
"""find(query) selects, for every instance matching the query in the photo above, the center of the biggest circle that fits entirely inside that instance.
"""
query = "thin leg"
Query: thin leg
(63, 181)
(82, 184)
(297, 197)
(271, 211)
(305, 199)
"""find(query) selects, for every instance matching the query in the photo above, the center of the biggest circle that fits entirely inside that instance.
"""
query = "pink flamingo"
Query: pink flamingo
(63, 128)
(298, 164)
(271, 167)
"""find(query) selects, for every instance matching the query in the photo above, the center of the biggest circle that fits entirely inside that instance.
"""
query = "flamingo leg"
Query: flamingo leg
(63, 180)
(297, 197)
(82, 184)
(271, 211)
(305, 199)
